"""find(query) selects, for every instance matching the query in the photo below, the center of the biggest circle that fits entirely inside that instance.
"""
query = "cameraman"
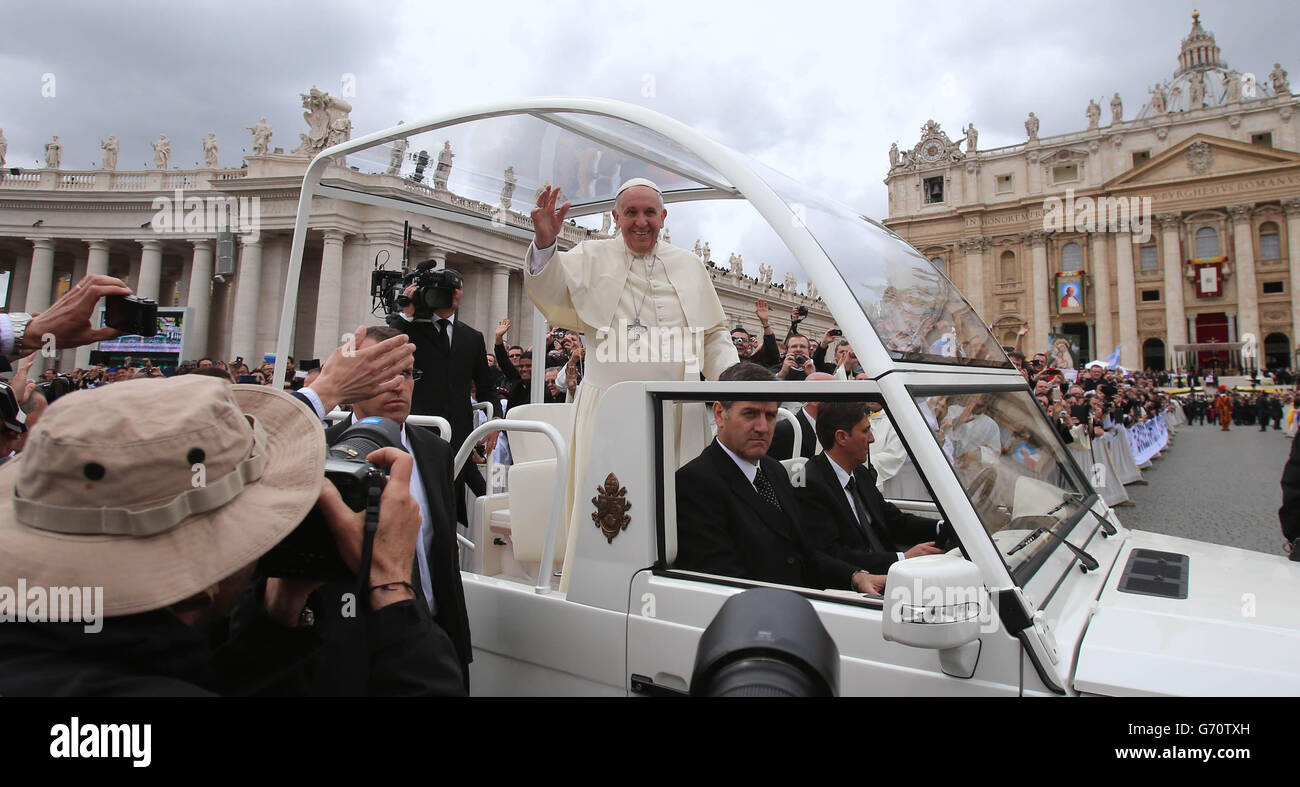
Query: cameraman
(452, 356)
(171, 576)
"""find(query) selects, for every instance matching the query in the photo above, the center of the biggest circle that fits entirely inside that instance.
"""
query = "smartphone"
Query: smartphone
(835, 332)
(131, 315)
(247, 379)
(307, 364)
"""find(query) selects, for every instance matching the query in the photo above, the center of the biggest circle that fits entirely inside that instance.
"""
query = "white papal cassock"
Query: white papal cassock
(600, 288)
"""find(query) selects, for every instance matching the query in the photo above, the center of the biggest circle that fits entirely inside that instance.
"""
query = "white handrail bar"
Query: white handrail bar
(436, 421)
(543, 586)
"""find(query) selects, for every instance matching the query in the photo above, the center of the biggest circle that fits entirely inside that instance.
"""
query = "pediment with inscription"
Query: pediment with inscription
(1205, 156)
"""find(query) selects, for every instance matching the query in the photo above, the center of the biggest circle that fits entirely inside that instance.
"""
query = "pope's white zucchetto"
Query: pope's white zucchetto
(638, 182)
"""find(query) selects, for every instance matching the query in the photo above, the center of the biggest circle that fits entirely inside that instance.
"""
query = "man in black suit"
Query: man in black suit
(737, 515)
(436, 573)
(452, 356)
(783, 437)
(844, 514)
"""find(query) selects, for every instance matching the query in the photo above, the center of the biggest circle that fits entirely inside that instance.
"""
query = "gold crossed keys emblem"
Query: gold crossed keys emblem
(611, 508)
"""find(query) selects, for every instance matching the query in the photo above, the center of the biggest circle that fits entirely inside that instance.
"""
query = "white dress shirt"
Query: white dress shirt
(750, 469)
(843, 477)
(448, 331)
(425, 541)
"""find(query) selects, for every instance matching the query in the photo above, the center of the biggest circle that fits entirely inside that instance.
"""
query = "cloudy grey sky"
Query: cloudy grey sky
(817, 90)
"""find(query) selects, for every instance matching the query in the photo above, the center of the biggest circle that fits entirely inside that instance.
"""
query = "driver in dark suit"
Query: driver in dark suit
(844, 514)
(737, 514)
(435, 576)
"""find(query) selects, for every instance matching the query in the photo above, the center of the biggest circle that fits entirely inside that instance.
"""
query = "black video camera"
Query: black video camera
(309, 551)
(434, 289)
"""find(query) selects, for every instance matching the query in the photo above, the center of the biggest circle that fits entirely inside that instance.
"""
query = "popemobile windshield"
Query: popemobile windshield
(1048, 593)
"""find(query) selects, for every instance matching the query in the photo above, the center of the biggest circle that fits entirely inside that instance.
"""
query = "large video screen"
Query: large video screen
(167, 340)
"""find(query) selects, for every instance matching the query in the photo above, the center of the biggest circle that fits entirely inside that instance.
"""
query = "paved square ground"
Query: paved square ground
(1221, 487)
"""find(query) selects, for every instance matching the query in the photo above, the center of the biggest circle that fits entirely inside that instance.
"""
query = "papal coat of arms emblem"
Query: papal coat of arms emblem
(611, 508)
(1200, 157)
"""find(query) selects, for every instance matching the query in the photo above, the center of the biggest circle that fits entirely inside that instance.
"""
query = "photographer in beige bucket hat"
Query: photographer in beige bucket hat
(131, 526)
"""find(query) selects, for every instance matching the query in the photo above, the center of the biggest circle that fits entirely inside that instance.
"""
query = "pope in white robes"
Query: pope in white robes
(648, 309)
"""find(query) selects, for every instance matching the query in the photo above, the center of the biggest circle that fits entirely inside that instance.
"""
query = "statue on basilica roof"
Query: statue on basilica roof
(323, 116)
(1196, 91)
(111, 148)
(1157, 99)
(261, 137)
(1094, 114)
(1281, 85)
(1116, 110)
(162, 151)
(1031, 126)
(210, 150)
(53, 153)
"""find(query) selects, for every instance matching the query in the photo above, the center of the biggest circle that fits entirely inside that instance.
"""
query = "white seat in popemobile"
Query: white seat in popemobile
(531, 482)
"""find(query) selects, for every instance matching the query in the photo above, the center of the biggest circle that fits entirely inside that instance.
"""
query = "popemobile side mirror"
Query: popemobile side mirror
(939, 602)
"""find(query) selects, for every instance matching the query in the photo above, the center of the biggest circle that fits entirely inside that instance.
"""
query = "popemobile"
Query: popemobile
(1047, 594)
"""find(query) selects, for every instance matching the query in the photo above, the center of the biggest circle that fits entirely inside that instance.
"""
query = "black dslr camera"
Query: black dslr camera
(434, 289)
(53, 389)
(309, 551)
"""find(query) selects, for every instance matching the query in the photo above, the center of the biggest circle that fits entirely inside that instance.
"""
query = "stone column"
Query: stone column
(1233, 355)
(274, 261)
(1129, 353)
(199, 300)
(1190, 359)
(243, 331)
(1101, 283)
(1038, 327)
(96, 264)
(327, 298)
(219, 320)
(974, 249)
(133, 273)
(18, 286)
(500, 304)
(40, 282)
(1244, 265)
(150, 269)
(1292, 208)
(1175, 320)
(68, 358)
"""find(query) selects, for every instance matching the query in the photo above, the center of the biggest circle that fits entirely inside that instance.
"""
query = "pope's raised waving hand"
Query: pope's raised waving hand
(547, 221)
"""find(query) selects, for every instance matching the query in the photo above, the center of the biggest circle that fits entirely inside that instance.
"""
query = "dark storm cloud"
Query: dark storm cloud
(137, 69)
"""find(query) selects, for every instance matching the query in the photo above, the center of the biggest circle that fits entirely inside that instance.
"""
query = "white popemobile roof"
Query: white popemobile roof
(891, 303)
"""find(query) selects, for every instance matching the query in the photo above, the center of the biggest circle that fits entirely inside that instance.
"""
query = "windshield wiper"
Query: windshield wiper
(1086, 561)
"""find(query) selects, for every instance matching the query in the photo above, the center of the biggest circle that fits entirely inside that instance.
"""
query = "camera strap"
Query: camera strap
(373, 494)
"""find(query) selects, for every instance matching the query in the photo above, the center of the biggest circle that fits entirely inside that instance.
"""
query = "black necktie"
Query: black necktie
(443, 341)
(765, 489)
(864, 518)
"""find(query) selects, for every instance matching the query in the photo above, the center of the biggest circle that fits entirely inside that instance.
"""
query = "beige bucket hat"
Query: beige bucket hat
(157, 489)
